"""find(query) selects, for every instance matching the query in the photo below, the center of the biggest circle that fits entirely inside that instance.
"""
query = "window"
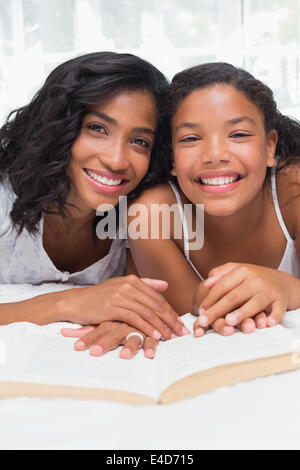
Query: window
(262, 36)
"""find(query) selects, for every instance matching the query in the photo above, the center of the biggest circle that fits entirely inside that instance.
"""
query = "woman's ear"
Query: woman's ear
(272, 139)
(173, 171)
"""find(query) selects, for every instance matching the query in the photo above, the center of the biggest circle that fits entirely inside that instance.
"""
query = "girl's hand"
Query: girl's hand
(108, 336)
(238, 292)
(220, 326)
(127, 299)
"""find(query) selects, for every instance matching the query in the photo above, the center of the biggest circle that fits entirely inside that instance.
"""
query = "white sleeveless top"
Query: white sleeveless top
(289, 263)
(23, 259)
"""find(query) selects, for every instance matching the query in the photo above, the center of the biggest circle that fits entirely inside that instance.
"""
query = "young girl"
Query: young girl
(237, 155)
(89, 136)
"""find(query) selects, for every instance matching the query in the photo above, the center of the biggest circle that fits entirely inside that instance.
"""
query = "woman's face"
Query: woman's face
(221, 150)
(111, 154)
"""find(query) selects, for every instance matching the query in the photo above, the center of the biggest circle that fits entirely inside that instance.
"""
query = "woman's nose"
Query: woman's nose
(115, 157)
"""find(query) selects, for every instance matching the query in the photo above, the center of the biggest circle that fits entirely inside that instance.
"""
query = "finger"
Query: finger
(76, 332)
(199, 331)
(141, 307)
(221, 327)
(251, 308)
(248, 326)
(156, 284)
(261, 320)
(277, 313)
(217, 273)
(150, 346)
(163, 309)
(131, 347)
(224, 287)
(93, 336)
(108, 341)
(234, 299)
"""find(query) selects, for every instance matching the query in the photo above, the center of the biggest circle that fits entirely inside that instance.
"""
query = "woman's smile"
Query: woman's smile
(105, 181)
(112, 152)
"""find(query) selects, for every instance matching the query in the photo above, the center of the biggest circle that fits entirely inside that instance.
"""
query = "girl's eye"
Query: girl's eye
(191, 138)
(96, 127)
(141, 142)
(240, 135)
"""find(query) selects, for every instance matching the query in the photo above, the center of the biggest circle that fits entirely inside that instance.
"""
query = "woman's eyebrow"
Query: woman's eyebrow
(104, 116)
(110, 120)
(239, 119)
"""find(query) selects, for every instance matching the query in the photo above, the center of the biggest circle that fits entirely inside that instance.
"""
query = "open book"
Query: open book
(38, 361)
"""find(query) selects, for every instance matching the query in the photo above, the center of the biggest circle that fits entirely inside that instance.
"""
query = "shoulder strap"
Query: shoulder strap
(277, 208)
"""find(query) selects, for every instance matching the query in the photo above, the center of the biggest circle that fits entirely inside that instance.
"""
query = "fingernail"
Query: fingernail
(199, 332)
(232, 318)
(173, 336)
(79, 345)
(249, 327)
(203, 320)
(156, 335)
(149, 353)
(126, 353)
(271, 322)
(261, 322)
(228, 330)
(210, 280)
(96, 351)
(185, 331)
(202, 311)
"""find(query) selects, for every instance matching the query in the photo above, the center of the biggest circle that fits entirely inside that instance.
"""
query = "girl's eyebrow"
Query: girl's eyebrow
(189, 125)
(239, 119)
(113, 121)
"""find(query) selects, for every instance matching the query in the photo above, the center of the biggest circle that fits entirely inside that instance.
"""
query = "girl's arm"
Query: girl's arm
(240, 291)
(162, 258)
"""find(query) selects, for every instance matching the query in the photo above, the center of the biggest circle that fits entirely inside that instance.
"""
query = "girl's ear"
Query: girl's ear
(173, 172)
(271, 148)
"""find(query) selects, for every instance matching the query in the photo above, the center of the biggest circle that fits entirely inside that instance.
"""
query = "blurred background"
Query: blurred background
(262, 36)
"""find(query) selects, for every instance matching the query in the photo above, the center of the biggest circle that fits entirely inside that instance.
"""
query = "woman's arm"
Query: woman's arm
(127, 299)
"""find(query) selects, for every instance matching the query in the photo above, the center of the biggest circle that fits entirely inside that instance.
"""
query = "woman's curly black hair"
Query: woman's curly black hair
(36, 140)
(210, 74)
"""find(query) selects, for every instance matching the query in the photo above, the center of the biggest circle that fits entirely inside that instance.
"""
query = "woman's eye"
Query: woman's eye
(97, 128)
(141, 142)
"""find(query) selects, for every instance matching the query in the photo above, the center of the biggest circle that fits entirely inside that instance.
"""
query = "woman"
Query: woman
(89, 136)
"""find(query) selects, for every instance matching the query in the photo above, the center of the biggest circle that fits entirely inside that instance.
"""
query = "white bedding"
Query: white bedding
(260, 414)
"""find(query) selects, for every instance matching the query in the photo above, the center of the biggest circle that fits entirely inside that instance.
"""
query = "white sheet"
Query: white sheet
(261, 414)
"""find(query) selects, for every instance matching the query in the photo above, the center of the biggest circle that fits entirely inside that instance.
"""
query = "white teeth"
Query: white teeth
(103, 179)
(219, 181)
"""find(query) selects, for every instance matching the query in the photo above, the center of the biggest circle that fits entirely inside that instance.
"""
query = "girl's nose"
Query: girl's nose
(215, 151)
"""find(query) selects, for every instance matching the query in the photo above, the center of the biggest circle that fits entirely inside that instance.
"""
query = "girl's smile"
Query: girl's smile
(221, 150)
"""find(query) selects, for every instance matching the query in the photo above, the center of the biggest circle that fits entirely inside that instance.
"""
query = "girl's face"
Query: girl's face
(221, 150)
(111, 154)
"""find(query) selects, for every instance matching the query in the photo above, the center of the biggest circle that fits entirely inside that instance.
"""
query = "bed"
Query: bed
(260, 414)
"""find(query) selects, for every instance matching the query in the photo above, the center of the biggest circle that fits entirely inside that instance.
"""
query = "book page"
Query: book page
(40, 355)
(184, 356)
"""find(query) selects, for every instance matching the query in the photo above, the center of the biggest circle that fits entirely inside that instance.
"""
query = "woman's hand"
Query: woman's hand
(244, 295)
(108, 336)
(127, 299)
